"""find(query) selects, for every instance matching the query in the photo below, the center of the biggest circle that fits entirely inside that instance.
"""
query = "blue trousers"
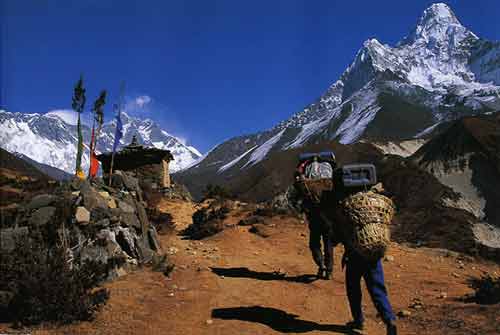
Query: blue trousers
(373, 274)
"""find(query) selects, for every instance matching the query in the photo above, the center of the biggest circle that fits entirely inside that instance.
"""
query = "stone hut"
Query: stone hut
(150, 165)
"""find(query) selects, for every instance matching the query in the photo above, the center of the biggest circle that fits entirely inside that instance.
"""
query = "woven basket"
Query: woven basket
(365, 218)
(371, 241)
(313, 189)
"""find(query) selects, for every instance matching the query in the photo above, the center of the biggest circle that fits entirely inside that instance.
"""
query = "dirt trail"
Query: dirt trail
(232, 283)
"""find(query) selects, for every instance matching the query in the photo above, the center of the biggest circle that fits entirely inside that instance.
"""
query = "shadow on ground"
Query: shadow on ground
(276, 319)
(247, 273)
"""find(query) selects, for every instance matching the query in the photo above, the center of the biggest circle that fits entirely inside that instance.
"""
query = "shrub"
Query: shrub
(47, 288)
(207, 221)
(47, 285)
(487, 289)
(216, 192)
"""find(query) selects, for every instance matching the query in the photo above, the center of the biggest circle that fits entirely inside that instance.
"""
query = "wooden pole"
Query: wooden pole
(111, 168)
(120, 105)
(91, 144)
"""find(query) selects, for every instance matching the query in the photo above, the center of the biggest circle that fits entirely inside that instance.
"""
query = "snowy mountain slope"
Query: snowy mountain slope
(50, 139)
(441, 71)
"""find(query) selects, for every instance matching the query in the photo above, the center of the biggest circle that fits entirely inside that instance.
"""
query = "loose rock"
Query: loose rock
(42, 200)
(82, 215)
(42, 216)
(127, 208)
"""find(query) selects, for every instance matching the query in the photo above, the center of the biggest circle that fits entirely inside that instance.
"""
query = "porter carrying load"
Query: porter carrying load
(363, 215)
(315, 175)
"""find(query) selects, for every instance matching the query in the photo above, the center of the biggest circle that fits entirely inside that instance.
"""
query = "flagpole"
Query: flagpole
(91, 145)
(113, 154)
(111, 167)
(115, 145)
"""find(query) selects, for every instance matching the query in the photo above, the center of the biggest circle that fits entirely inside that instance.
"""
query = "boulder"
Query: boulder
(160, 263)
(126, 241)
(126, 207)
(42, 216)
(112, 203)
(82, 215)
(261, 229)
(104, 249)
(104, 223)
(153, 239)
(42, 200)
(145, 253)
(98, 214)
(104, 194)
(130, 220)
(9, 236)
(143, 216)
(251, 220)
(92, 198)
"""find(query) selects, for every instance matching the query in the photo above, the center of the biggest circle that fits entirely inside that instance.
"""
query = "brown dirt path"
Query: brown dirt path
(231, 284)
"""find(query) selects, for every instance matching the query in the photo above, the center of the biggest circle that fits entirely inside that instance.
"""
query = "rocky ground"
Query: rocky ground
(238, 282)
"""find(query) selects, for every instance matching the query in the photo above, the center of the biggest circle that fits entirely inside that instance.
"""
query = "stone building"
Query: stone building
(150, 165)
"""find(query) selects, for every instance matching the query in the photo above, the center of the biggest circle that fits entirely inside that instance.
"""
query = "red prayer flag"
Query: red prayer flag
(94, 163)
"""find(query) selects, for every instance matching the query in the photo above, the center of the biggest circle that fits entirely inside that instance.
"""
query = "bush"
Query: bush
(207, 221)
(487, 289)
(46, 287)
(216, 192)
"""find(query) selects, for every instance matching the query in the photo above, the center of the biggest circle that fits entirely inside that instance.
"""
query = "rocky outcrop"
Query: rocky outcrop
(96, 222)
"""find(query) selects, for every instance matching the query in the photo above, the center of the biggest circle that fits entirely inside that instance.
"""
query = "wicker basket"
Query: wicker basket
(312, 189)
(365, 218)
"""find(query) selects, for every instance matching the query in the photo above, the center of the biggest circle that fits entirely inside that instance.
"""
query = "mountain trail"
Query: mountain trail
(237, 282)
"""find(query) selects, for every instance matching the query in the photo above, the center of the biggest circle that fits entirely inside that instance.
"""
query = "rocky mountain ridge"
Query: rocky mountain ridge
(49, 139)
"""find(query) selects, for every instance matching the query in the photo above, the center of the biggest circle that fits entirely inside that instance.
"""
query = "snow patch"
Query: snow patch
(261, 152)
(234, 161)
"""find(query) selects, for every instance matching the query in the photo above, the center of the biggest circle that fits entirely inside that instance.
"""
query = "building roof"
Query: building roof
(134, 156)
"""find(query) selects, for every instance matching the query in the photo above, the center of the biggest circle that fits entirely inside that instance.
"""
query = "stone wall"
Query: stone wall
(157, 174)
(165, 174)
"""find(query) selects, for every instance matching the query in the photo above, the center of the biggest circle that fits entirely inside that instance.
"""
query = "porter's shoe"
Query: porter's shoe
(356, 325)
(328, 275)
(320, 273)
(391, 329)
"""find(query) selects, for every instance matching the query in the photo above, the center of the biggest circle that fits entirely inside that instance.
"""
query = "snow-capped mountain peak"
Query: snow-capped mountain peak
(438, 26)
(439, 72)
(51, 138)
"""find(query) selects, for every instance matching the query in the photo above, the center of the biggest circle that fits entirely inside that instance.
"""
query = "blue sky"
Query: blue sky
(210, 69)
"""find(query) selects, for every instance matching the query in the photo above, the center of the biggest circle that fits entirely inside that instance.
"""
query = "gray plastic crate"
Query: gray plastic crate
(355, 175)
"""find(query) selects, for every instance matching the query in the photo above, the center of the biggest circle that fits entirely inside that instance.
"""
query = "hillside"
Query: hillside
(19, 181)
(446, 192)
(273, 175)
(50, 171)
